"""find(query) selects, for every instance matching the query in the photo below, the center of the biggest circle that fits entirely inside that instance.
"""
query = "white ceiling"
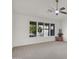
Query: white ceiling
(38, 7)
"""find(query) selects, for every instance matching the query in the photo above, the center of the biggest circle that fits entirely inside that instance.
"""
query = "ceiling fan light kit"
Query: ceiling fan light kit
(57, 12)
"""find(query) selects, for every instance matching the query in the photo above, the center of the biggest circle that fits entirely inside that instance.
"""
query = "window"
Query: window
(46, 29)
(41, 29)
(33, 29)
(52, 30)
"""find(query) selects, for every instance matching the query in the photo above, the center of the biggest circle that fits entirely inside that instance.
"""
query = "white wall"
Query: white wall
(21, 29)
(64, 28)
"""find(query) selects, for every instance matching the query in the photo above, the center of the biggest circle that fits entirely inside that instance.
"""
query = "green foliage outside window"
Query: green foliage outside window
(32, 28)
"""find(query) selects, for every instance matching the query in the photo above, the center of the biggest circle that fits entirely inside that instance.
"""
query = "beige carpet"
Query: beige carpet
(50, 50)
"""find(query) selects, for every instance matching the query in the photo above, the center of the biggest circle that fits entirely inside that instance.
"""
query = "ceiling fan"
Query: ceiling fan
(57, 11)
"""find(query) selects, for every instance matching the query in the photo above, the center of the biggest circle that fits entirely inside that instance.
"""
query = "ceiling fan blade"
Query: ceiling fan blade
(62, 8)
(50, 10)
(63, 12)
